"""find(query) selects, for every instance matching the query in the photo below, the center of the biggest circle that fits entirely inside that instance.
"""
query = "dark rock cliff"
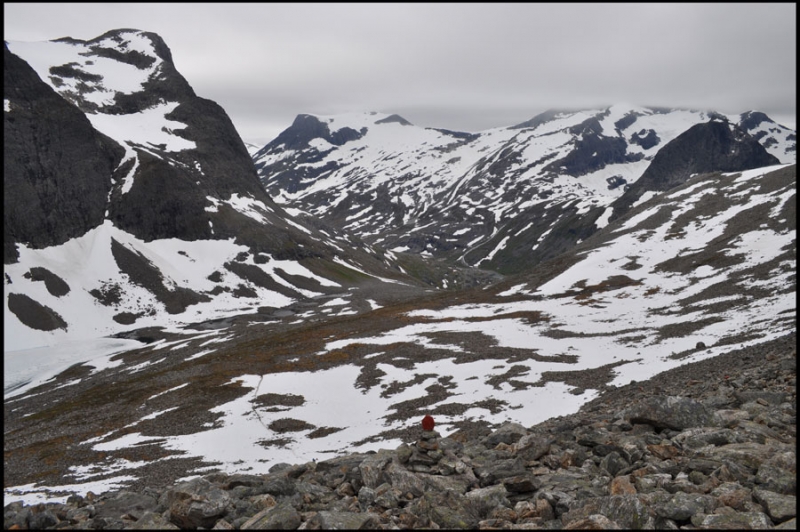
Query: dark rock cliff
(63, 177)
(57, 168)
(715, 146)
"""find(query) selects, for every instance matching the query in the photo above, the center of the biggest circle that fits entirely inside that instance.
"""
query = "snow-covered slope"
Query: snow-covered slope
(131, 202)
(467, 195)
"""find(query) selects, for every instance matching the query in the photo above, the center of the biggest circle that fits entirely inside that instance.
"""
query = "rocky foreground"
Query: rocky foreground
(708, 445)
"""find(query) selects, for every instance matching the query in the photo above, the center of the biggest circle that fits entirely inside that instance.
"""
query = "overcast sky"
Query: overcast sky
(465, 67)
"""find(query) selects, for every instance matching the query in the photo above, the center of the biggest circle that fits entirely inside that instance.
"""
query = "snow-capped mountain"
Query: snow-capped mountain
(130, 201)
(506, 198)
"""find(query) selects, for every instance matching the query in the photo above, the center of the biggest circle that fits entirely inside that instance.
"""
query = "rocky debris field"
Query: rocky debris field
(708, 445)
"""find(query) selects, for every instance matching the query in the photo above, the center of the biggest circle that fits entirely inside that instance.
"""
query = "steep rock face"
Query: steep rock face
(177, 149)
(714, 146)
(57, 168)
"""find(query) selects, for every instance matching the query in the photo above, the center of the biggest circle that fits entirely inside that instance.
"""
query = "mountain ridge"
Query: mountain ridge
(467, 198)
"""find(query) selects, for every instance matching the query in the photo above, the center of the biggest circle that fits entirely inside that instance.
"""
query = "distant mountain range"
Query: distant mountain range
(506, 198)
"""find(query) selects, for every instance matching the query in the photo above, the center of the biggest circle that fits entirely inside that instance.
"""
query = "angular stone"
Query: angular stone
(196, 503)
(481, 502)
(613, 463)
(153, 521)
(418, 458)
(493, 471)
(426, 445)
(449, 518)
(223, 525)
(455, 483)
(779, 507)
(677, 413)
(404, 480)
(507, 433)
(593, 522)
(430, 435)
(387, 497)
(372, 469)
(779, 473)
(749, 455)
(344, 521)
(770, 398)
(733, 521)
(621, 486)
(126, 502)
(42, 520)
(251, 481)
(282, 516)
(522, 483)
(731, 494)
(532, 446)
(791, 524)
(682, 506)
(663, 452)
(446, 509)
(625, 510)
(278, 486)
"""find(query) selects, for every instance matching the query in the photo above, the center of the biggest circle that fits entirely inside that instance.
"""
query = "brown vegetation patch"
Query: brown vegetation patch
(615, 282)
(275, 442)
(595, 378)
(277, 399)
(685, 328)
(321, 432)
(287, 424)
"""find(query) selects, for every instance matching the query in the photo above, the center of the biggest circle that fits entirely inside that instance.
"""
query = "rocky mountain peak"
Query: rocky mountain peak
(715, 146)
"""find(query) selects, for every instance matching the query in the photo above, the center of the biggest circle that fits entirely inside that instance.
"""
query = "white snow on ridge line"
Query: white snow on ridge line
(149, 127)
(116, 75)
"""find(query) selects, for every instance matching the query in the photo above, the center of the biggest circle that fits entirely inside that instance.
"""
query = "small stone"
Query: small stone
(621, 486)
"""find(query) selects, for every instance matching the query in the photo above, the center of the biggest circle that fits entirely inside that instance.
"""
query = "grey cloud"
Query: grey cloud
(459, 66)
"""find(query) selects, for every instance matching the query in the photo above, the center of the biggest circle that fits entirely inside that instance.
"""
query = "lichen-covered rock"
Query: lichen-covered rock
(196, 503)
(593, 522)
(282, 516)
(733, 521)
(682, 506)
(670, 412)
(779, 507)
(507, 433)
(625, 510)
(343, 521)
